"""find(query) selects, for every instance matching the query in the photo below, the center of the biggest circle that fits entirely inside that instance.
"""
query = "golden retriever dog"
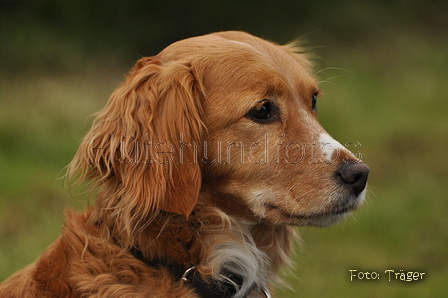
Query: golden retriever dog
(200, 164)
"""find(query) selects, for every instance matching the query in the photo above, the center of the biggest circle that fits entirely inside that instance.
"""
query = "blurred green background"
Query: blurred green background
(384, 71)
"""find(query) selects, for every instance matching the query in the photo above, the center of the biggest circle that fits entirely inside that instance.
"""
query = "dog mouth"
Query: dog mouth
(330, 216)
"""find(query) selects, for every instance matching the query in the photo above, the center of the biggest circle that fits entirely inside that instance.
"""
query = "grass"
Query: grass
(391, 99)
(42, 119)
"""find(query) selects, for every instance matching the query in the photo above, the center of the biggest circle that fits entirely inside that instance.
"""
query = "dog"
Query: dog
(201, 164)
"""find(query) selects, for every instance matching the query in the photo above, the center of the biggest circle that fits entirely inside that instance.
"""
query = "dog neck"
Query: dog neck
(219, 248)
(275, 241)
(225, 287)
(214, 241)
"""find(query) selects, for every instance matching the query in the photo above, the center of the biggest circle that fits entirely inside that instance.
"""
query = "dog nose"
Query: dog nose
(354, 175)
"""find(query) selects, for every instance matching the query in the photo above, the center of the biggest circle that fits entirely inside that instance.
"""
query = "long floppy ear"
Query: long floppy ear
(142, 150)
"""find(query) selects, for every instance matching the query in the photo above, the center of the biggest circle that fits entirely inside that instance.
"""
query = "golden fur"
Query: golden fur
(182, 171)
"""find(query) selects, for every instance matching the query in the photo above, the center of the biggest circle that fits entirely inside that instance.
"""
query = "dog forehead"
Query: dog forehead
(212, 43)
(230, 48)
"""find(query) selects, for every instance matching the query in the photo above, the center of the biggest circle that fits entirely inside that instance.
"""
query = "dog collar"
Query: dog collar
(225, 287)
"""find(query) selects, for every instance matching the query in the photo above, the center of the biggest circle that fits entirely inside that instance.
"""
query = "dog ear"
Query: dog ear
(142, 150)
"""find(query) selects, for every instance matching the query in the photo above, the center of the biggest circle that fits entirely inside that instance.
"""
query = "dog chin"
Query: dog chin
(278, 216)
(336, 213)
(326, 220)
(329, 216)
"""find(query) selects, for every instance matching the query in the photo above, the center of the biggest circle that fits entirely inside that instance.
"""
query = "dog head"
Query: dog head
(228, 114)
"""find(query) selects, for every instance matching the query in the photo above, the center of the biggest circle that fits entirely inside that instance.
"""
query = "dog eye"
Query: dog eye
(261, 112)
(314, 102)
